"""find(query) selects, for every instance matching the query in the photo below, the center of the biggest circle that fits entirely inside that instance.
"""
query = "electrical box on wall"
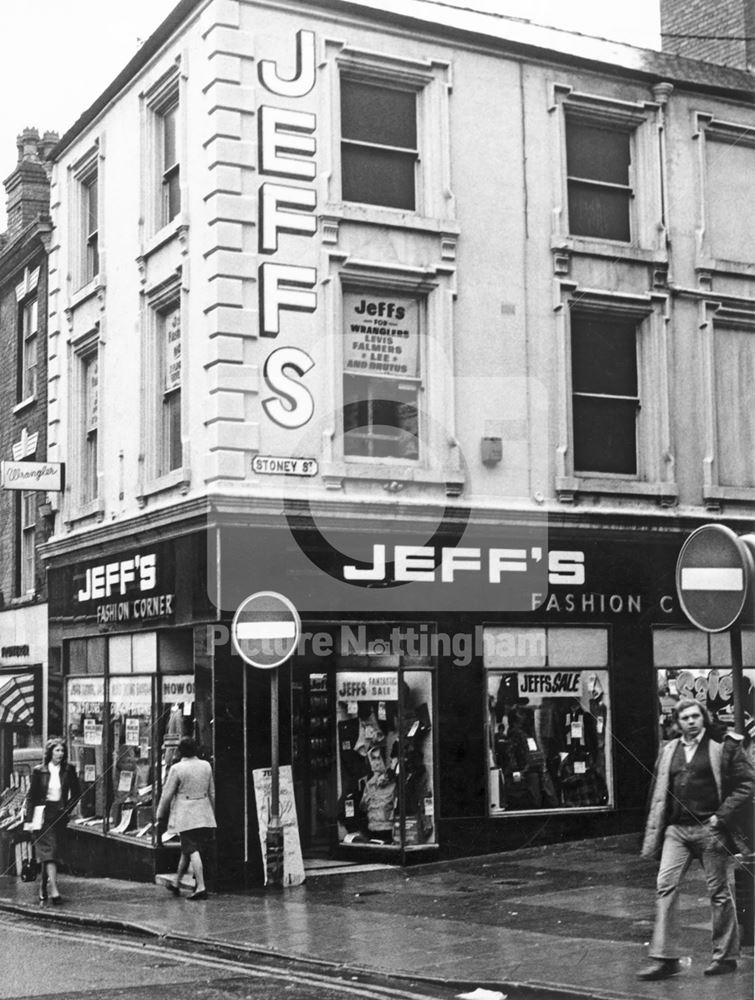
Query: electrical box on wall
(491, 450)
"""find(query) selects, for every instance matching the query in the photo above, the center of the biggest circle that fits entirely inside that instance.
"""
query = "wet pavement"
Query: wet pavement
(574, 917)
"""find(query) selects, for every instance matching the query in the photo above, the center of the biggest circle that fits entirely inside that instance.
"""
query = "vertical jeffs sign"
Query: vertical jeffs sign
(287, 204)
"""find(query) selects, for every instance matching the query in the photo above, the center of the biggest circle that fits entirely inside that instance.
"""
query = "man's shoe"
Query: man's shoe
(661, 968)
(720, 966)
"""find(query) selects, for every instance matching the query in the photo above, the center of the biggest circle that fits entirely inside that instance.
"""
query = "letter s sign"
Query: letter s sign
(292, 406)
(566, 567)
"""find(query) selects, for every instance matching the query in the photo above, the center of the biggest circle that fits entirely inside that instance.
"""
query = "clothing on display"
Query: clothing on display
(383, 762)
(549, 751)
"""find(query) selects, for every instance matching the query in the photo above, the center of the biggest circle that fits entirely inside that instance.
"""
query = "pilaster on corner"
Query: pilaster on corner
(219, 15)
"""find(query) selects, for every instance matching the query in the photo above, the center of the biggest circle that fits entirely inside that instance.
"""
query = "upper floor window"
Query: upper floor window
(379, 153)
(605, 394)
(90, 424)
(381, 382)
(90, 239)
(598, 165)
(170, 202)
(27, 349)
(161, 137)
(27, 524)
(726, 194)
(732, 372)
(169, 390)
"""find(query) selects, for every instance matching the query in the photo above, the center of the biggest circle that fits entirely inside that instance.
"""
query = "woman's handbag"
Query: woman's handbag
(29, 864)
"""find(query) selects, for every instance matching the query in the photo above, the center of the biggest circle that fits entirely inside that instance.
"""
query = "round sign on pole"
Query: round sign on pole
(713, 574)
(265, 629)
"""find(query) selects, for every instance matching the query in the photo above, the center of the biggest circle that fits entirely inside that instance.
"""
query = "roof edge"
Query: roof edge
(691, 73)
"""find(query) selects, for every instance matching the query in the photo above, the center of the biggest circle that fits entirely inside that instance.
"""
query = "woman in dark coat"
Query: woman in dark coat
(55, 788)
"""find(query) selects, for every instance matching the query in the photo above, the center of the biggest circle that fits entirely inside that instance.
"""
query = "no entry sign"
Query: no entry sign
(713, 575)
(266, 629)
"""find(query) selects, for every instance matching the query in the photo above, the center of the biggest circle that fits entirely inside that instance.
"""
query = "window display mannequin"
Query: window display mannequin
(379, 798)
(528, 784)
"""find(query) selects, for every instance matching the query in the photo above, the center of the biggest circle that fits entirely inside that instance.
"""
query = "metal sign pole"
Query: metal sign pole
(265, 632)
(737, 684)
(274, 838)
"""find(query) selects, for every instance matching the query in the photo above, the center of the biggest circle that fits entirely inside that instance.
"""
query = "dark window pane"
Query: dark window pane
(604, 356)
(378, 115)
(605, 435)
(378, 177)
(380, 419)
(169, 138)
(171, 453)
(596, 211)
(92, 206)
(171, 195)
(600, 154)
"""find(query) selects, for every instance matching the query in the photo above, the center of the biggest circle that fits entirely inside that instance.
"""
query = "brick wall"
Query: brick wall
(725, 23)
(27, 188)
(32, 417)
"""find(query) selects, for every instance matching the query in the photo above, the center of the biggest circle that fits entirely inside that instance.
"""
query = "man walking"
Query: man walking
(700, 791)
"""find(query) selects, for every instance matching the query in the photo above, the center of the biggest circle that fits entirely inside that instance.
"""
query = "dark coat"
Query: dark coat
(735, 782)
(70, 791)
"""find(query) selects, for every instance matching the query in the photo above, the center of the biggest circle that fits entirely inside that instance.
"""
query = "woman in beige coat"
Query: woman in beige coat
(191, 792)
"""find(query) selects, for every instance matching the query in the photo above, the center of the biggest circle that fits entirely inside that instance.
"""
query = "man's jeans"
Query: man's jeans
(681, 845)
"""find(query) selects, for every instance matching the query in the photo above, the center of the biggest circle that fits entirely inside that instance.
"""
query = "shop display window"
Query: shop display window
(177, 717)
(695, 664)
(385, 758)
(85, 703)
(548, 719)
(123, 727)
(131, 774)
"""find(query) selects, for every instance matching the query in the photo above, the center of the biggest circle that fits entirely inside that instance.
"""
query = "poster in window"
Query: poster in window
(132, 733)
(131, 694)
(381, 335)
(172, 326)
(363, 686)
(92, 394)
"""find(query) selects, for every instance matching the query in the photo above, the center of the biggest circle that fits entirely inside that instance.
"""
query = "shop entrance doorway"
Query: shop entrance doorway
(313, 760)
(363, 750)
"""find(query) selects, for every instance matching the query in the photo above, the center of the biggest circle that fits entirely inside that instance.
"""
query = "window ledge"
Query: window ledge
(375, 215)
(720, 265)
(32, 597)
(93, 509)
(562, 811)
(177, 479)
(176, 228)
(716, 494)
(87, 291)
(24, 404)
(394, 477)
(567, 487)
(608, 248)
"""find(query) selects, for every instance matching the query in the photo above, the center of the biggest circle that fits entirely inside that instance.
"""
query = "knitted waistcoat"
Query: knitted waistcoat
(693, 794)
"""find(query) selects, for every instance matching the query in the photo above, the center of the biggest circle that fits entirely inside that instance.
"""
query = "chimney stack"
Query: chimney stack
(720, 32)
(27, 188)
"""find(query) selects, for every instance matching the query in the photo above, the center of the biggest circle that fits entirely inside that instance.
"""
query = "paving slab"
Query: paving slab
(573, 917)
